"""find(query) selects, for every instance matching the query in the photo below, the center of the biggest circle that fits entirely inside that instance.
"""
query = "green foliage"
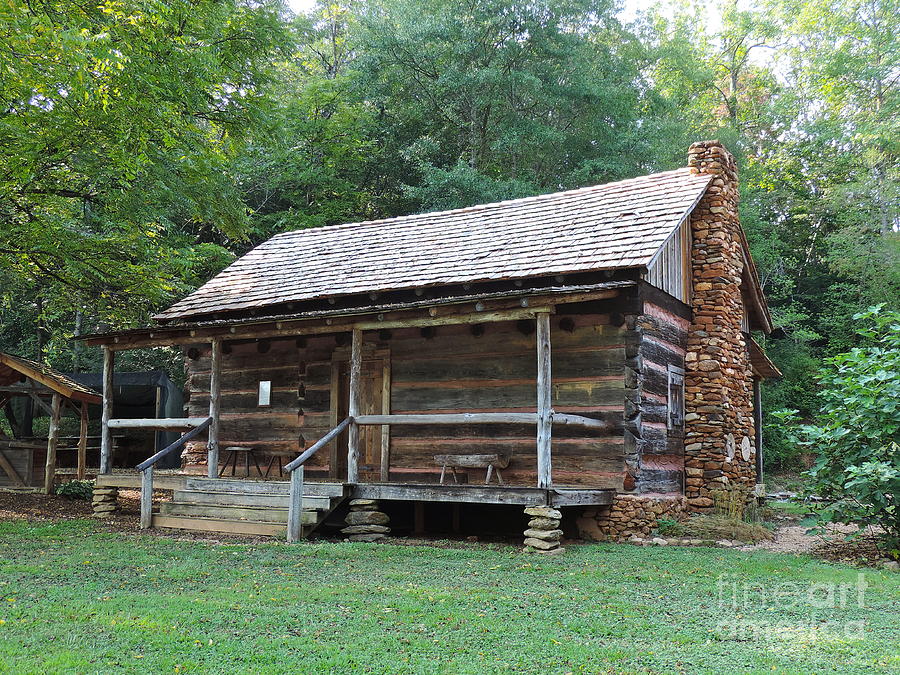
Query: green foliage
(669, 527)
(119, 121)
(147, 143)
(857, 432)
(76, 489)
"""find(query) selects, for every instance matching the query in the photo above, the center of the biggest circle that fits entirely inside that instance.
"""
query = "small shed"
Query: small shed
(50, 392)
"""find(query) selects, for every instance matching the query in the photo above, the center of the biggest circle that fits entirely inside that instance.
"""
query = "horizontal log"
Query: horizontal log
(577, 421)
(449, 418)
(490, 397)
(480, 418)
(583, 363)
(476, 432)
(168, 424)
(500, 339)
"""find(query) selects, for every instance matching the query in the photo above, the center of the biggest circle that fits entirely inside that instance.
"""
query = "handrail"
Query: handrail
(162, 423)
(146, 469)
(318, 445)
(190, 435)
(295, 469)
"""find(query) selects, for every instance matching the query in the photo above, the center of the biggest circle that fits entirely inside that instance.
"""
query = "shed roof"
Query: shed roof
(612, 226)
(13, 367)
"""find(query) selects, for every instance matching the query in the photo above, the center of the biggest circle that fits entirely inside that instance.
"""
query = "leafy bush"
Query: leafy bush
(669, 527)
(856, 437)
(76, 489)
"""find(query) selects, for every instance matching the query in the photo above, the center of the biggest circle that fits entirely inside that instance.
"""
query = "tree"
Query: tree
(118, 123)
(857, 434)
(500, 98)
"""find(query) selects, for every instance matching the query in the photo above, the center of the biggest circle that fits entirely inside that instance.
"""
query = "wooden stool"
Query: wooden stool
(277, 458)
(232, 457)
(493, 464)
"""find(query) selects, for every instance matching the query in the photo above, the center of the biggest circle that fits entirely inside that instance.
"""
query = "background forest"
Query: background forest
(146, 143)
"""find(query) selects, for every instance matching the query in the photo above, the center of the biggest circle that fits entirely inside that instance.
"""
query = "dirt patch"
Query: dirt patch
(792, 538)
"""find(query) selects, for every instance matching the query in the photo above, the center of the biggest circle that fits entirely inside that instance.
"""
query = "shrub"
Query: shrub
(856, 436)
(669, 526)
(76, 489)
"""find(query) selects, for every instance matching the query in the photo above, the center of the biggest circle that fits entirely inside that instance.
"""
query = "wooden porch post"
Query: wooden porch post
(353, 408)
(106, 433)
(52, 440)
(386, 410)
(212, 443)
(82, 440)
(544, 410)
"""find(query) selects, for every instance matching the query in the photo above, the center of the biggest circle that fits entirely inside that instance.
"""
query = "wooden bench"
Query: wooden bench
(493, 463)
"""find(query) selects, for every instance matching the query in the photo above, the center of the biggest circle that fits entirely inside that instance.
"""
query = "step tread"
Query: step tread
(263, 487)
(222, 525)
(269, 514)
(222, 498)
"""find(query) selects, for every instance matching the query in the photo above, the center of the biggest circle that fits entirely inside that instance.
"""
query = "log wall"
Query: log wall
(488, 368)
(656, 338)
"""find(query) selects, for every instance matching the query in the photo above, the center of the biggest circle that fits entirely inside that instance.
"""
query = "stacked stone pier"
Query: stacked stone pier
(365, 522)
(105, 501)
(543, 534)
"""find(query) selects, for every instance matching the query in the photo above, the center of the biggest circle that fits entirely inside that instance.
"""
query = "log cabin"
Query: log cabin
(586, 353)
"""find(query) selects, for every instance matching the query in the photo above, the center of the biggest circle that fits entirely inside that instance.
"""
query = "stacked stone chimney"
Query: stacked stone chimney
(719, 426)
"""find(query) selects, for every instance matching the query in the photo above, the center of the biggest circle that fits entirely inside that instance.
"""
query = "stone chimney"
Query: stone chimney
(719, 427)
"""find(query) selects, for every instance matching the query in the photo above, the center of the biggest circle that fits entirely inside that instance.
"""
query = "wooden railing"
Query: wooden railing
(479, 418)
(295, 469)
(146, 468)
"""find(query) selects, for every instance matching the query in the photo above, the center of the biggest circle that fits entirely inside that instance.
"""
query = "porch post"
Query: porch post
(544, 410)
(353, 408)
(212, 442)
(82, 440)
(106, 433)
(52, 440)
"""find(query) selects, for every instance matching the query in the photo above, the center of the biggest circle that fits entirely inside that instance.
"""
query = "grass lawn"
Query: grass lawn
(77, 599)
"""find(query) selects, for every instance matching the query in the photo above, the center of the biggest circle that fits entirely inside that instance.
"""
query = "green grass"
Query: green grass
(76, 599)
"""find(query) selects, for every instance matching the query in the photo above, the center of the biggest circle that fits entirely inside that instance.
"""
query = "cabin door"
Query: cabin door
(374, 395)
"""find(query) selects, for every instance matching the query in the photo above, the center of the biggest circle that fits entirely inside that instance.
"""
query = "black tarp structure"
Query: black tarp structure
(148, 394)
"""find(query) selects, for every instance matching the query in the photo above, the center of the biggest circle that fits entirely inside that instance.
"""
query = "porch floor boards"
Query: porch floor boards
(419, 492)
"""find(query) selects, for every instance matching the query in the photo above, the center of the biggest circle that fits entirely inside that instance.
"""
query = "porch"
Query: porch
(360, 464)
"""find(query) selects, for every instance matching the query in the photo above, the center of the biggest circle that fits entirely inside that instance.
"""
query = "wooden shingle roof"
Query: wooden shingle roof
(13, 367)
(612, 226)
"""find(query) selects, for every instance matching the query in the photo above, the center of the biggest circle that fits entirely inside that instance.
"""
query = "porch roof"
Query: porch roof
(13, 367)
(613, 226)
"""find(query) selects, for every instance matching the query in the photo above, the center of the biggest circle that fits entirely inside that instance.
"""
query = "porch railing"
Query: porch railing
(146, 467)
(295, 467)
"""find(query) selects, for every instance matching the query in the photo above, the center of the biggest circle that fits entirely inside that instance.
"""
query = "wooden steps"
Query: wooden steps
(245, 506)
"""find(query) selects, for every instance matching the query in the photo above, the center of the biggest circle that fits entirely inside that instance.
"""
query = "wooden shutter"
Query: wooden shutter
(676, 398)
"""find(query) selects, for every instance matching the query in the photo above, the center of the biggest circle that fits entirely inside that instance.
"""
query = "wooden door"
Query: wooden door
(374, 400)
